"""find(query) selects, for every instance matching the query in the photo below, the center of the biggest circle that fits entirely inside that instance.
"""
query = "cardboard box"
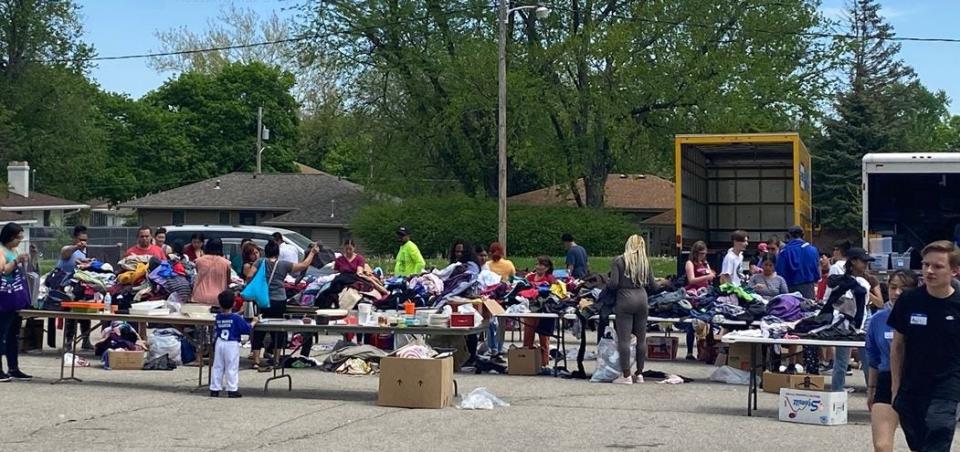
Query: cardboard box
(813, 407)
(662, 348)
(125, 360)
(415, 383)
(31, 335)
(738, 356)
(523, 361)
(773, 382)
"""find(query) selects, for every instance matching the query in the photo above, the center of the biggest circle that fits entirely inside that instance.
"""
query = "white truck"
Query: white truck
(909, 200)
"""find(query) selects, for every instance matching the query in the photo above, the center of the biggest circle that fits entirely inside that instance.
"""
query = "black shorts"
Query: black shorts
(884, 392)
(928, 424)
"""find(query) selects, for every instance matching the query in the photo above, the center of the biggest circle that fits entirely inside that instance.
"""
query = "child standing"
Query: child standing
(226, 358)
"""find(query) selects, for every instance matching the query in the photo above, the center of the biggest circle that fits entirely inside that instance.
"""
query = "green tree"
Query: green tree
(883, 108)
(218, 115)
(598, 86)
(47, 113)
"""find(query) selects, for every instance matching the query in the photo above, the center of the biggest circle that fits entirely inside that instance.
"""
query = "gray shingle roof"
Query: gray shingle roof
(306, 197)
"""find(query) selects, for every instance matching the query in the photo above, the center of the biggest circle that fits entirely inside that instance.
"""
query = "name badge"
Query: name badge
(888, 335)
(949, 317)
(918, 319)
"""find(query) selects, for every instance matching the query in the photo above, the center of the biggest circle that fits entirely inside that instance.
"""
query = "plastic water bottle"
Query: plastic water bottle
(107, 301)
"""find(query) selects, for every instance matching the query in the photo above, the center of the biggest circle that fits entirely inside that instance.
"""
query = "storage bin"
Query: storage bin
(881, 245)
(881, 262)
(900, 261)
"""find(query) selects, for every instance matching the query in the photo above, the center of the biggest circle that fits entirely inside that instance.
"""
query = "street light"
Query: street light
(541, 12)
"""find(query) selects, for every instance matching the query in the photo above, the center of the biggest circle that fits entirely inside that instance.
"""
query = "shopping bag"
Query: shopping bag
(14, 294)
(258, 289)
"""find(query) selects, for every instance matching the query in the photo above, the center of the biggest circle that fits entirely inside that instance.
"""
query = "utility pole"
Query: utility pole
(259, 137)
(502, 126)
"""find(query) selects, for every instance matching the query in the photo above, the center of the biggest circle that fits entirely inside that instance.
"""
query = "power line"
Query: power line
(300, 38)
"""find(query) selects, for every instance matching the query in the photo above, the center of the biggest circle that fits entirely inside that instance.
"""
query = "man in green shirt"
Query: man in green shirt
(409, 259)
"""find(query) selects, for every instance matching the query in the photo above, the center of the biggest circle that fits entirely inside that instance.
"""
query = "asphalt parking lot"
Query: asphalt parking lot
(142, 410)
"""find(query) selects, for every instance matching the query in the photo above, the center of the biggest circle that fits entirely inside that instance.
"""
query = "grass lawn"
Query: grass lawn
(662, 266)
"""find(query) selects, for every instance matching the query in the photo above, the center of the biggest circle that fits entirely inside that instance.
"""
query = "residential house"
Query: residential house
(646, 199)
(319, 206)
(21, 204)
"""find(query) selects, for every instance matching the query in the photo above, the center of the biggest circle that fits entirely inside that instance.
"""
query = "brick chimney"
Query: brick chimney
(18, 178)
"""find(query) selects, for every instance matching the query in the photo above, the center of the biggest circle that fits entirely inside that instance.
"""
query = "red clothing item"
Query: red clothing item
(152, 250)
(822, 286)
(699, 269)
(344, 265)
(537, 281)
(190, 252)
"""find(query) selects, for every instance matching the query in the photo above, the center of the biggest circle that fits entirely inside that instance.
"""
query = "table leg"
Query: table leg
(73, 362)
(753, 379)
(278, 366)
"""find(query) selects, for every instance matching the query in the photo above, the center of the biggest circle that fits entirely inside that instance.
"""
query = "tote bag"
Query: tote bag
(258, 289)
(14, 294)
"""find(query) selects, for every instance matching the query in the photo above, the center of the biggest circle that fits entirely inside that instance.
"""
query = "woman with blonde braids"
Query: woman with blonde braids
(630, 279)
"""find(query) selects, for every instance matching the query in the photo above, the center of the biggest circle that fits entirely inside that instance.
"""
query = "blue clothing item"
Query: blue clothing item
(577, 257)
(70, 265)
(799, 263)
(879, 337)
(231, 326)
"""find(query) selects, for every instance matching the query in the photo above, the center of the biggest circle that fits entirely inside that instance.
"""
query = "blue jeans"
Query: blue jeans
(841, 362)
(492, 339)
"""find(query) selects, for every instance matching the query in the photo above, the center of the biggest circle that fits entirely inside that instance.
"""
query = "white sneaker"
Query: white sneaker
(799, 368)
(623, 381)
(783, 369)
(637, 379)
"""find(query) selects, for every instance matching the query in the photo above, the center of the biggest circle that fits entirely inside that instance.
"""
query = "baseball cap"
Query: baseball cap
(762, 247)
(859, 254)
(795, 230)
(403, 232)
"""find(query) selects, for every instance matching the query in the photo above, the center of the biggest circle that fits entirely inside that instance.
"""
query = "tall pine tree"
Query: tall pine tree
(866, 115)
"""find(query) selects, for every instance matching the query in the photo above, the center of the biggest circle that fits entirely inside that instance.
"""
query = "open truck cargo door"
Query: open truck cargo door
(760, 183)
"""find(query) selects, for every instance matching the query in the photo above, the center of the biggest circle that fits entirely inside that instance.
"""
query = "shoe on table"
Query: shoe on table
(20, 376)
(234, 394)
(623, 380)
(4, 377)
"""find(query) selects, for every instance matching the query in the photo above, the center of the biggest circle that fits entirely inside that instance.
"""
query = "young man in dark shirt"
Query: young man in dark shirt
(925, 353)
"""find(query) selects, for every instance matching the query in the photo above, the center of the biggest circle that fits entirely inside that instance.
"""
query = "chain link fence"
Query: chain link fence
(104, 243)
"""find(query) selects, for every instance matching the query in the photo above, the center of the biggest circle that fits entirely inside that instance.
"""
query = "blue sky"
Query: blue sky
(118, 27)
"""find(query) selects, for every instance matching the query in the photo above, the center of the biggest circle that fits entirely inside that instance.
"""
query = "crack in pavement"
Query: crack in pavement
(331, 430)
(284, 421)
(96, 417)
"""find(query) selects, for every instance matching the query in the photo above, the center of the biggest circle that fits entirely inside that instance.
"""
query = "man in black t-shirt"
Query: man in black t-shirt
(925, 353)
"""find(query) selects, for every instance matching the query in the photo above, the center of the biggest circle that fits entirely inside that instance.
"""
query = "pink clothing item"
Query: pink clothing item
(213, 277)
(344, 265)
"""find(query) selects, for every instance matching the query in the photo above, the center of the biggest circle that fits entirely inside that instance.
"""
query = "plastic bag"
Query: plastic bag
(730, 376)
(165, 341)
(608, 360)
(258, 289)
(78, 361)
(481, 399)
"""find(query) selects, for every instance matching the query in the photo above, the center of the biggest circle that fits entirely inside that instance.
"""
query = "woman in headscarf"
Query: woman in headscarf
(630, 279)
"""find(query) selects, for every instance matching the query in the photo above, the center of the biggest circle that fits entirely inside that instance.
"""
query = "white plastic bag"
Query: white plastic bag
(731, 376)
(481, 399)
(608, 360)
(165, 341)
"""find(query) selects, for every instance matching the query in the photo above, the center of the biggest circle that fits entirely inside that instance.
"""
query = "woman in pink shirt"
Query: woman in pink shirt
(349, 261)
(213, 273)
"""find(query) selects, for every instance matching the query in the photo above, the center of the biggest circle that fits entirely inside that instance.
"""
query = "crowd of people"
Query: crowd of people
(910, 362)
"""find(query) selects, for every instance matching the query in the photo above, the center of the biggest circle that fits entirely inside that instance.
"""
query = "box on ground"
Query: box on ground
(813, 407)
(31, 335)
(738, 356)
(773, 382)
(125, 360)
(415, 383)
(662, 348)
(523, 361)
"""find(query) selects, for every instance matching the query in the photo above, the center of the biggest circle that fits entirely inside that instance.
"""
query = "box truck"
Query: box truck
(758, 182)
(909, 200)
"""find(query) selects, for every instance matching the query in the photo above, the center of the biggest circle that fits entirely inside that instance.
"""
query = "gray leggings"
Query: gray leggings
(632, 311)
